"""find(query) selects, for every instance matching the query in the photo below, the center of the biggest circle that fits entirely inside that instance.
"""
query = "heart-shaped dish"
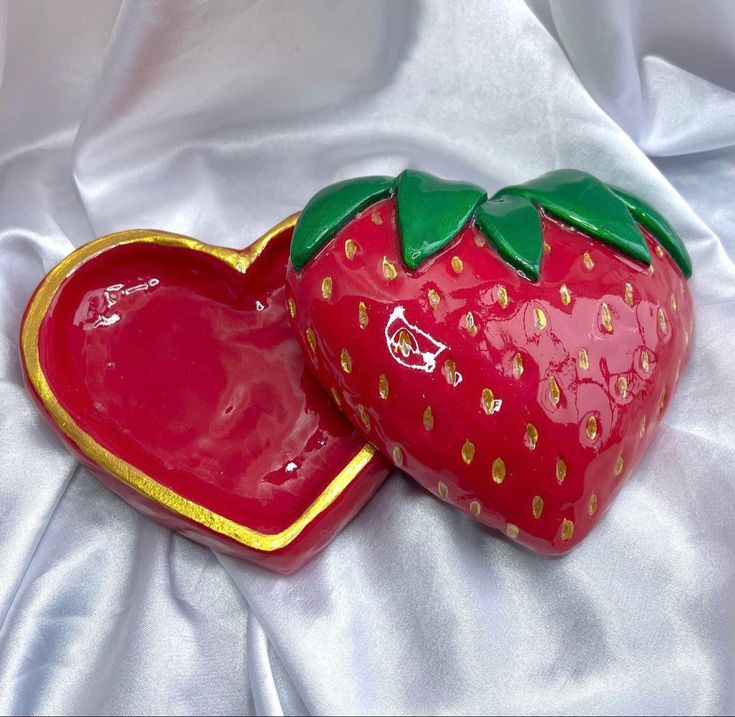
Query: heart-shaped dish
(170, 369)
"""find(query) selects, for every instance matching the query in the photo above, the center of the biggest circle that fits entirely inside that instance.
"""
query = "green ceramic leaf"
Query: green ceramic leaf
(586, 203)
(431, 212)
(659, 227)
(329, 210)
(512, 225)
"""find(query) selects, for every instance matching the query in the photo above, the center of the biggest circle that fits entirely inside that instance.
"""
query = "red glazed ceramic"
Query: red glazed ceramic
(170, 369)
(514, 355)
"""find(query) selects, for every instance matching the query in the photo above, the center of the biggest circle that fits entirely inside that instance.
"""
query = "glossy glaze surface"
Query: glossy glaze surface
(525, 404)
(187, 370)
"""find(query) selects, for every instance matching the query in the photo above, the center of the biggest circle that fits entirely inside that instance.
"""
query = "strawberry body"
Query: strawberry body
(526, 404)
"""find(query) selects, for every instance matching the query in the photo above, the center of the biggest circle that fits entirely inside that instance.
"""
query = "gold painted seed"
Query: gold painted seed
(628, 295)
(364, 416)
(327, 287)
(561, 470)
(567, 530)
(487, 400)
(362, 315)
(592, 505)
(540, 319)
(517, 365)
(311, 339)
(345, 361)
(350, 249)
(584, 359)
(498, 470)
(428, 419)
(389, 271)
(468, 451)
(554, 392)
(606, 318)
(434, 298)
(383, 388)
(566, 297)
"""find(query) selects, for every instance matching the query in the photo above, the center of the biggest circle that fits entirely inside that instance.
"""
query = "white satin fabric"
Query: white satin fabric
(217, 120)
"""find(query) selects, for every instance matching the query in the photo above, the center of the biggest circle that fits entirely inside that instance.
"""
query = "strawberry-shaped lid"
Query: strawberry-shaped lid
(514, 355)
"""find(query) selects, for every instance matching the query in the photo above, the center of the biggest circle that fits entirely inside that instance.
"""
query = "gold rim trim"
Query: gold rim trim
(125, 472)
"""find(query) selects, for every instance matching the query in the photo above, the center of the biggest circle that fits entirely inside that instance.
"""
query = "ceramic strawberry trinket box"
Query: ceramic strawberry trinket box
(512, 354)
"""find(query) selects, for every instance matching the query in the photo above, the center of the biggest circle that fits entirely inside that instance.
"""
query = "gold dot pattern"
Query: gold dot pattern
(475, 508)
(567, 530)
(443, 490)
(345, 361)
(502, 297)
(291, 308)
(457, 265)
(659, 252)
(662, 322)
(487, 400)
(530, 437)
(498, 470)
(587, 259)
(566, 296)
(375, 217)
(335, 396)
(383, 387)
(469, 324)
(450, 372)
(362, 315)
(540, 319)
(592, 505)
(537, 506)
(628, 294)
(389, 270)
(606, 318)
(591, 428)
(517, 365)
(468, 451)
(327, 287)
(434, 298)
(618, 465)
(397, 455)
(311, 339)
(584, 359)
(622, 386)
(554, 392)
(364, 416)
(350, 249)
(511, 530)
(428, 419)
(645, 362)
(561, 470)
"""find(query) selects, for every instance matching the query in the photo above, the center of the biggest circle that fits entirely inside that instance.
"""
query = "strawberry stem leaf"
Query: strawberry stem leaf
(512, 225)
(648, 217)
(587, 204)
(329, 210)
(431, 212)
